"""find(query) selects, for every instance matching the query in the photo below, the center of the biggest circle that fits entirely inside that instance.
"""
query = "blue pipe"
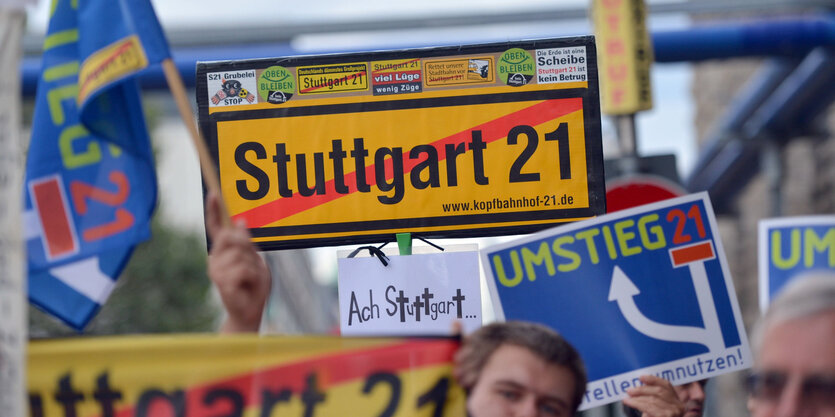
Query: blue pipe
(756, 91)
(796, 97)
(784, 37)
(799, 99)
(774, 37)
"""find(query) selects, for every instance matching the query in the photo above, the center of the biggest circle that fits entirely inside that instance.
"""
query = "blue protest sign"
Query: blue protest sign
(790, 246)
(640, 291)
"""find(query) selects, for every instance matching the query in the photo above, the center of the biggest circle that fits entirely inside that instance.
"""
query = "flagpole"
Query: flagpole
(207, 167)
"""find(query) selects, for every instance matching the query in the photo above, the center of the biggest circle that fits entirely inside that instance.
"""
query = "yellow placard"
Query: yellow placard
(209, 375)
(471, 70)
(110, 64)
(323, 79)
(415, 153)
(625, 55)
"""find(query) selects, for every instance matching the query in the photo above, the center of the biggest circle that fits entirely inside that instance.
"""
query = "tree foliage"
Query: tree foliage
(164, 288)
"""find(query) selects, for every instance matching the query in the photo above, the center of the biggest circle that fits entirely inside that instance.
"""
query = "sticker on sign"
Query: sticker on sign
(231, 88)
(641, 291)
(561, 65)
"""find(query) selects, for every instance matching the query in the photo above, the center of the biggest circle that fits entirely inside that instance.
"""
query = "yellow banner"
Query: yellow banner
(208, 375)
(438, 145)
(625, 55)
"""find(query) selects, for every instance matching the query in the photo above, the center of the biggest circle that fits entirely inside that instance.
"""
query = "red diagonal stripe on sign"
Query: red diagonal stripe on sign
(329, 370)
(491, 131)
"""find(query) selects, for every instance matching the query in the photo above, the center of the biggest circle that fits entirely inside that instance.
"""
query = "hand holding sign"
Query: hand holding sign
(656, 398)
(241, 276)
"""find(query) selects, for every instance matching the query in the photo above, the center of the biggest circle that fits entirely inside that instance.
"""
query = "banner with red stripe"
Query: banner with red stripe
(207, 375)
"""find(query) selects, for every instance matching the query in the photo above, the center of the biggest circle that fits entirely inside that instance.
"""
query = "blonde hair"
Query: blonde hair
(806, 295)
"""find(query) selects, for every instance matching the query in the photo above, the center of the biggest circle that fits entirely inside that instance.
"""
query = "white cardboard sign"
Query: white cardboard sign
(418, 294)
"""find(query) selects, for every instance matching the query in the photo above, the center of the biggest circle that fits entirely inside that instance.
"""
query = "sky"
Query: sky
(667, 128)
(196, 13)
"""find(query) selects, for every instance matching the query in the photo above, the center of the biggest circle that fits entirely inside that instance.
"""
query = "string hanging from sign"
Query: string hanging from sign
(428, 242)
(374, 251)
(378, 250)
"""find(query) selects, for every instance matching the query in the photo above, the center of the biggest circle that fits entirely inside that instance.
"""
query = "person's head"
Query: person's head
(692, 395)
(520, 369)
(794, 345)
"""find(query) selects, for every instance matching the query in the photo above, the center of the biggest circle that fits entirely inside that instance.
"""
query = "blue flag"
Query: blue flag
(90, 187)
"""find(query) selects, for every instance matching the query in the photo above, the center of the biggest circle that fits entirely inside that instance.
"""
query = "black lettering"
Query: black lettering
(430, 164)
(426, 297)
(452, 152)
(359, 153)
(436, 396)
(417, 304)
(393, 304)
(393, 381)
(337, 155)
(354, 309)
(402, 300)
(67, 396)
(35, 405)
(396, 183)
(372, 308)
(311, 396)
(234, 397)
(478, 146)
(106, 396)
(458, 298)
(516, 174)
(318, 173)
(281, 159)
(259, 175)
(270, 399)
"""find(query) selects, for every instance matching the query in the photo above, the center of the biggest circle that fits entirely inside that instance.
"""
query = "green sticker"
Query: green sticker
(276, 85)
(516, 67)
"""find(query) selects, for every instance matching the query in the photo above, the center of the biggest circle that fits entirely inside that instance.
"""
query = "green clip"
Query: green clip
(404, 243)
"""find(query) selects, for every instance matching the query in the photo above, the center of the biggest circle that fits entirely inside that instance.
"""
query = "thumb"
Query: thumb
(213, 221)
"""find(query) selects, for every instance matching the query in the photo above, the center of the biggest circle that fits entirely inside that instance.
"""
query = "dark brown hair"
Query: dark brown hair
(540, 340)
